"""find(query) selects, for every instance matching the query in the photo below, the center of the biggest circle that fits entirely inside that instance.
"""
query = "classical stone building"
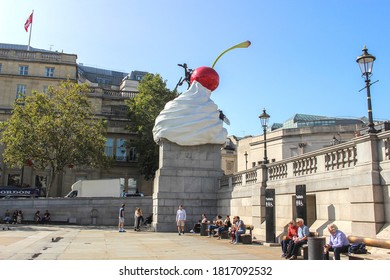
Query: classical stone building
(23, 71)
(298, 135)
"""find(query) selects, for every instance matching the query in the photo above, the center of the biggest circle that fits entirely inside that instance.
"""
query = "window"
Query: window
(20, 90)
(14, 180)
(23, 70)
(45, 89)
(109, 148)
(49, 71)
(0, 67)
(120, 150)
(104, 81)
(133, 154)
(294, 152)
(40, 181)
(132, 185)
(230, 166)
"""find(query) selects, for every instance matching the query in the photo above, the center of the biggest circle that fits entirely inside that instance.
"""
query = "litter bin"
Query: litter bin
(203, 229)
(316, 247)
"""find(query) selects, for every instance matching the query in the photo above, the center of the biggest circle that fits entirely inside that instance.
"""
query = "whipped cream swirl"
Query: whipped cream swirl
(190, 119)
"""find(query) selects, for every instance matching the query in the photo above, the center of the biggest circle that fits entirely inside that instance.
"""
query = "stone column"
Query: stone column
(187, 175)
(366, 192)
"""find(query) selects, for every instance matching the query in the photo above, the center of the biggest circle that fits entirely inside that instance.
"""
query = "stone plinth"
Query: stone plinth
(187, 175)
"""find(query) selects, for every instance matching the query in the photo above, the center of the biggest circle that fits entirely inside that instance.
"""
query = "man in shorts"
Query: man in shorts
(121, 218)
(181, 219)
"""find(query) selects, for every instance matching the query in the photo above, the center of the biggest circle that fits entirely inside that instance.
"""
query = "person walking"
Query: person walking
(181, 217)
(138, 218)
(121, 223)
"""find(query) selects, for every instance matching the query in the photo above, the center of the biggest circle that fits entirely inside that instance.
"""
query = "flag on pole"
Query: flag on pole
(28, 22)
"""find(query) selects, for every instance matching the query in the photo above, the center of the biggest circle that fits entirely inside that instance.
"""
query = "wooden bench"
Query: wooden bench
(246, 238)
(371, 244)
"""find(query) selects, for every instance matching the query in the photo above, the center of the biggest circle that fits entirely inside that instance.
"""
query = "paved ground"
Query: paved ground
(53, 242)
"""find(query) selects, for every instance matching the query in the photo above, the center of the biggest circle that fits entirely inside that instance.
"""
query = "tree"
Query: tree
(143, 110)
(54, 130)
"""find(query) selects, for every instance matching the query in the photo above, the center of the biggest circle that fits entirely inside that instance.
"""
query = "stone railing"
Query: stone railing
(247, 177)
(251, 177)
(304, 166)
(35, 55)
(341, 158)
(278, 171)
(237, 180)
(119, 94)
(337, 157)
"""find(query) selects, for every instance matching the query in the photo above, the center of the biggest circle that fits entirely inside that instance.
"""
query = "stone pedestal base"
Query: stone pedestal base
(188, 175)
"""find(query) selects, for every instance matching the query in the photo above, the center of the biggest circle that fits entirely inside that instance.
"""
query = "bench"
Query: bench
(224, 234)
(372, 244)
(246, 238)
(59, 220)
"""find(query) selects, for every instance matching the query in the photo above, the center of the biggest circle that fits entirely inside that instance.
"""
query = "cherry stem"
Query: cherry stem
(240, 45)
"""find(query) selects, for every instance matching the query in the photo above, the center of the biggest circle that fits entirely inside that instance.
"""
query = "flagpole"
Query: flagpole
(29, 37)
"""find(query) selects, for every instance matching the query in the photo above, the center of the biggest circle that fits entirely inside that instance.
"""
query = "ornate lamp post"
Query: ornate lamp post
(246, 160)
(264, 117)
(366, 62)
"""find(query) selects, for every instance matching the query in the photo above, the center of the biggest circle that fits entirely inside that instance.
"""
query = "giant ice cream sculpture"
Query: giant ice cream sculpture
(193, 118)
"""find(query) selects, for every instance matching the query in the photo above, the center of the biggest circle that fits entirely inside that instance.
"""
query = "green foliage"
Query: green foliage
(54, 130)
(152, 96)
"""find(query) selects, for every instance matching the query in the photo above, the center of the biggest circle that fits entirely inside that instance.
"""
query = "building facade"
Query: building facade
(22, 72)
(296, 136)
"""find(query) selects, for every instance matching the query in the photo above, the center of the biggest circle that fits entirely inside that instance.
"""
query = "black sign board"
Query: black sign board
(270, 215)
(300, 201)
(18, 192)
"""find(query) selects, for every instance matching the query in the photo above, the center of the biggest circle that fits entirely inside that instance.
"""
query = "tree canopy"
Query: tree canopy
(152, 96)
(54, 130)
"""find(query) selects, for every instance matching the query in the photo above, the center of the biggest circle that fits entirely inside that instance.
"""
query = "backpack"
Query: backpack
(357, 248)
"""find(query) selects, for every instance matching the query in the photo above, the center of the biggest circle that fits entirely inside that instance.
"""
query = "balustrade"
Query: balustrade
(237, 180)
(341, 158)
(251, 177)
(278, 171)
(327, 159)
(119, 93)
(305, 166)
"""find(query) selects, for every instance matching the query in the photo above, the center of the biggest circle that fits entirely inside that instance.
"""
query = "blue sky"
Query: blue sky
(302, 57)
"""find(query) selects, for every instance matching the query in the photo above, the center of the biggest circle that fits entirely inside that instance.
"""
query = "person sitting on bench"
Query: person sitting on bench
(46, 217)
(240, 228)
(225, 227)
(338, 242)
(37, 217)
(286, 242)
(217, 223)
(303, 235)
(196, 227)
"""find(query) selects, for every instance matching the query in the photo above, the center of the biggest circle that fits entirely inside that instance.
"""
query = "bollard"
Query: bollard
(94, 215)
(203, 229)
(316, 247)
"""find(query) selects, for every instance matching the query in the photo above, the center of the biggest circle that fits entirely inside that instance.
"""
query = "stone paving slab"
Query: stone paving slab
(53, 242)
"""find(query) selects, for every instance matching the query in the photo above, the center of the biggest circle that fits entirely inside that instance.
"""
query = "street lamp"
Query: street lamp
(366, 62)
(246, 160)
(264, 117)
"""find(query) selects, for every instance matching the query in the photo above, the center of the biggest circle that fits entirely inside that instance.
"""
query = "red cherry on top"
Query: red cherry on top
(206, 76)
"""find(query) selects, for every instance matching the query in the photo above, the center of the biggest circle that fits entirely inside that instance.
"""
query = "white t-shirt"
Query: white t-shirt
(181, 215)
